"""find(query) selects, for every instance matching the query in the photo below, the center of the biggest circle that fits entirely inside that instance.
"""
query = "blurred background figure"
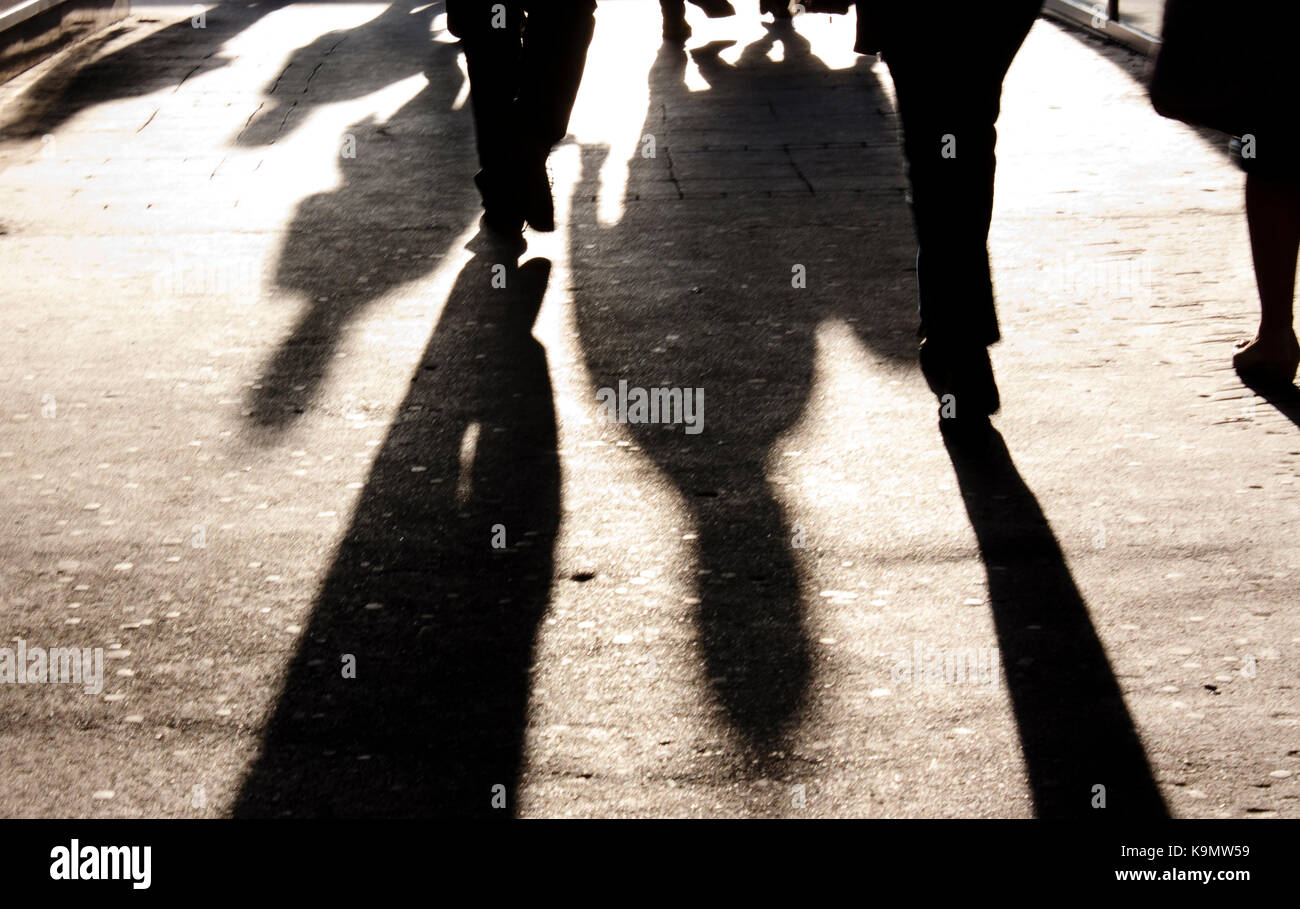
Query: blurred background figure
(1255, 102)
(525, 60)
(948, 64)
(780, 9)
(676, 28)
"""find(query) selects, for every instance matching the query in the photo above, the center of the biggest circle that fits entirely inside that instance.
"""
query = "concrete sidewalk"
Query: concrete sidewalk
(265, 411)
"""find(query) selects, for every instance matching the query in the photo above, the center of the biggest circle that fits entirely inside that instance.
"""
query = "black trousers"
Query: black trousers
(525, 60)
(948, 64)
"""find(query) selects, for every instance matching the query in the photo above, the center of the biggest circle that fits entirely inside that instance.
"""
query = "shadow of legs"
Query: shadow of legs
(1075, 729)
(437, 590)
(751, 615)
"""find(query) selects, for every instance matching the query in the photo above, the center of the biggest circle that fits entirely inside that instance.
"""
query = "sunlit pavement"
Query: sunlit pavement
(226, 251)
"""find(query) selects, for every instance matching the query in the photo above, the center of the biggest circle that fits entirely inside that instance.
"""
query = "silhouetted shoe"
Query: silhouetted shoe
(501, 210)
(506, 223)
(716, 9)
(677, 31)
(1268, 361)
(536, 203)
(780, 9)
(961, 377)
(490, 240)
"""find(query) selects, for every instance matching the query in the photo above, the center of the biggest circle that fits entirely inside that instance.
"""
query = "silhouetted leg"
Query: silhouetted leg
(556, 38)
(493, 56)
(949, 87)
(1273, 215)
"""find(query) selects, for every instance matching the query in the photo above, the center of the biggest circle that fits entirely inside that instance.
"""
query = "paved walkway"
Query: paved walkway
(265, 411)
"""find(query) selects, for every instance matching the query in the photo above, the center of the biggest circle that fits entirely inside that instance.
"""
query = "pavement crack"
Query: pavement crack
(314, 71)
(285, 118)
(789, 157)
(192, 71)
(672, 175)
(283, 73)
(249, 121)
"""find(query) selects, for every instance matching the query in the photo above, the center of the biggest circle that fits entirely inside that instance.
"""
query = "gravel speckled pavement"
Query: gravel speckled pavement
(267, 409)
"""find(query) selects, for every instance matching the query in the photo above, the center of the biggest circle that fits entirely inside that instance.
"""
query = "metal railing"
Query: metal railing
(1133, 23)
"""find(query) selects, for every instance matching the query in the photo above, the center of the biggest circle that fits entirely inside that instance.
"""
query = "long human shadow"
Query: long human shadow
(1075, 730)
(753, 181)
(405, 194)
(165, 58)
(437, 589)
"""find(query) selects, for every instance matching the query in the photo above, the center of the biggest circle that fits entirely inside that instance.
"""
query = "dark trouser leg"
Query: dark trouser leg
(948, 76)
(493, 57)
(525, 60)
(556, 38)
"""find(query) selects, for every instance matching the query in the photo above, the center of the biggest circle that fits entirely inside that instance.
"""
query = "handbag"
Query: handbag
(1203, 73)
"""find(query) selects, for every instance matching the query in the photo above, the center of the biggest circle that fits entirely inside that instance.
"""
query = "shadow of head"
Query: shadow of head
(404, 194)
(348, 64)
(697, 286)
